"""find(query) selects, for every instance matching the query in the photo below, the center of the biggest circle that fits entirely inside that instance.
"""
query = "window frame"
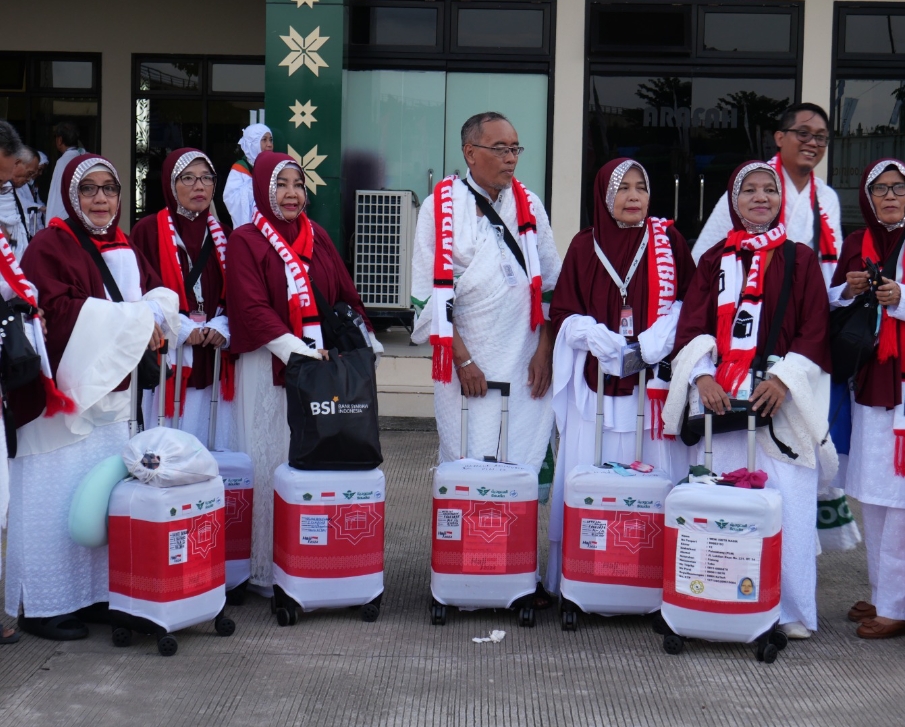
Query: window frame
(866, 60)
(396, 50)
(795, 31)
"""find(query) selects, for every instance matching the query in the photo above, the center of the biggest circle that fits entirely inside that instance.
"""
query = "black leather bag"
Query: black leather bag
(19, 362)
(339, 325)
(855, 327)
(332, 411)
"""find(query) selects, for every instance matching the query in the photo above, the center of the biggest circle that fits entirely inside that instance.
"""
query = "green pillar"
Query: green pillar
(304, 97)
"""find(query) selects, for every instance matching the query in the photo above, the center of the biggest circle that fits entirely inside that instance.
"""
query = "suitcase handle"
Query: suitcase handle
(177, 387)
(503, 387)
(639, 419)
(162, 385)
(215, 402)
(708, 440)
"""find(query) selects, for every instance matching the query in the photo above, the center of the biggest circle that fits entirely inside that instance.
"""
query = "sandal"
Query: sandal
(9, 636)
(541, 599)
(64, 627)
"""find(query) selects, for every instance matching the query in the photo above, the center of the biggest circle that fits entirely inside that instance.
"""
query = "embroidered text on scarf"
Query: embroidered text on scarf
(443, 295)
(55, 400)
(738, 323)
(661, 294)
(303, 315)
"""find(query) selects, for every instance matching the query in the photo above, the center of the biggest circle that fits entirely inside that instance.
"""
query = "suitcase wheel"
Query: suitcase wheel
(526, 617)
(224, 626)
(673, 644)
(779, 640)
(285, 618)
(370, 612)
(767, 653)
(658, 624)
(167, 645)
(569, 621)
(438, 615)
(122, 637)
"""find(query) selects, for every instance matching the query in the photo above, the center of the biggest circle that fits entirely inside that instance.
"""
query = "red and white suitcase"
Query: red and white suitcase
(722, 562)
(166, 557)
(613, 531)
(484, 533)
(238, 473)
(328, 531)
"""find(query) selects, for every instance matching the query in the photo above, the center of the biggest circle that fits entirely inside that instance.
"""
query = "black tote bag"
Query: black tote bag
(332, 411)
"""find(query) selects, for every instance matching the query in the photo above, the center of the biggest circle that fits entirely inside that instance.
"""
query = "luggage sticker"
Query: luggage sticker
(313, 529)
(179, 552)
(593, 534)
(449, 524)
(718, 567)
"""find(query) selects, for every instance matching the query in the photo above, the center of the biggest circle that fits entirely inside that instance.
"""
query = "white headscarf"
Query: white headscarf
(251, 141)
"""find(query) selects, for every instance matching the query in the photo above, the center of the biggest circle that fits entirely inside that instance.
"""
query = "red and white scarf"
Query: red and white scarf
(443, 295)
(827, 246)
(738, 324)
(661, 294)
(56, 400)
(303, 316)
(171, 274)
(889, 345)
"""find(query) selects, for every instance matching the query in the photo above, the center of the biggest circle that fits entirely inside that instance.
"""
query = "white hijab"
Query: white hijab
(251, 141)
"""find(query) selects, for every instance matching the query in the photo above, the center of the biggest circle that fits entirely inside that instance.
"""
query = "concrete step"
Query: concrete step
(404, 384)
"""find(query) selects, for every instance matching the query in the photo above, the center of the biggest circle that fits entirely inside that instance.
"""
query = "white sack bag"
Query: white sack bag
(163, 457)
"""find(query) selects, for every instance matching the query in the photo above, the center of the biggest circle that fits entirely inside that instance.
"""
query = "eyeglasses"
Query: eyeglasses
(90, 190)
(208, 180)
(805, 136)
(881, 190)
(503, 151)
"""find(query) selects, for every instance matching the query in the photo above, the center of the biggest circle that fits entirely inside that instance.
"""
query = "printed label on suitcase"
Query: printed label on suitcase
(593, 534)
(726, 573)
(449, 524)
(313, 529)
(179, 550)
(152, 562)
(494, 538)
(718, 567)
(352, 543)
(613, 547)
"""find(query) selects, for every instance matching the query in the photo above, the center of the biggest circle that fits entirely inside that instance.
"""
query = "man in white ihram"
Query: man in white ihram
(802, 138)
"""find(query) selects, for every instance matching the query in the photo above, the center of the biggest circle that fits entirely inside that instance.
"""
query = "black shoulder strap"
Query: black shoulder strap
(91, 249)
(22, 215)
(783, 302)
(206, 249)
(328, 315)
(491, 214)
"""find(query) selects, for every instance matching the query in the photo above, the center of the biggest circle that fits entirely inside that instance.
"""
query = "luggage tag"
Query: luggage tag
(631, 360)
(626, 321)
(198, 316)
(641, 467)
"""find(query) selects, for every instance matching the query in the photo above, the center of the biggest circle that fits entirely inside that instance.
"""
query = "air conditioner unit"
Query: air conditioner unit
(384, 238)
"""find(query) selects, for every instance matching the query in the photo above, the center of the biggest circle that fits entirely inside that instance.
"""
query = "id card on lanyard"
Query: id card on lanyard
(626, 314)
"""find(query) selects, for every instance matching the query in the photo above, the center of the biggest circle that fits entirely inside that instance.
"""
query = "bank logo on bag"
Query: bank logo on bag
(333, 406)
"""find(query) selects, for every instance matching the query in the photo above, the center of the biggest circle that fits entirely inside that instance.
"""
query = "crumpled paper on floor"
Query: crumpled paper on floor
(495, 636)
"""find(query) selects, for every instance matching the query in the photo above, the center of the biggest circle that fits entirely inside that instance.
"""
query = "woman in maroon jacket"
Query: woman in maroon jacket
(876, 465)
(274, 262)
(175, 241)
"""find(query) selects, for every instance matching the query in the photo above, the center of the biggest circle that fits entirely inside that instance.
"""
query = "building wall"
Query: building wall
(119, 30)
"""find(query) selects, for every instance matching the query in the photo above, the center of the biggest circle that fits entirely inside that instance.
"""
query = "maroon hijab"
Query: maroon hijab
(267, 168)
(884, 236)
(619, 243)
(191, 226)
(72, 176)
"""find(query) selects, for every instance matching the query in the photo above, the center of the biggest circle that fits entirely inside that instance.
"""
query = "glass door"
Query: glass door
(689, 132)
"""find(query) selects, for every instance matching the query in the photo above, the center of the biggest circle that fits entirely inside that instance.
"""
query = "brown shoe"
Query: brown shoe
(872, 629)
(861, 611)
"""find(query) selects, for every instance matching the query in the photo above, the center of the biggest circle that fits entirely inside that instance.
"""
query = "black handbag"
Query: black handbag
(854, 328)
(332, 411)
(339, 325)
(149, 367)
(736, 419)
(19, 362)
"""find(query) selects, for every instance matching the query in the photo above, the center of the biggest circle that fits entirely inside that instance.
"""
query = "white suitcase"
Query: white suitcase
(484, 533)
(722, 562)
(613, 531)
(328, 541)
(166, 555)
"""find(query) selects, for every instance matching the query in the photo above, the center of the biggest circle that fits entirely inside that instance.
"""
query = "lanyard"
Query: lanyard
(623, 286)
(196, 286)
